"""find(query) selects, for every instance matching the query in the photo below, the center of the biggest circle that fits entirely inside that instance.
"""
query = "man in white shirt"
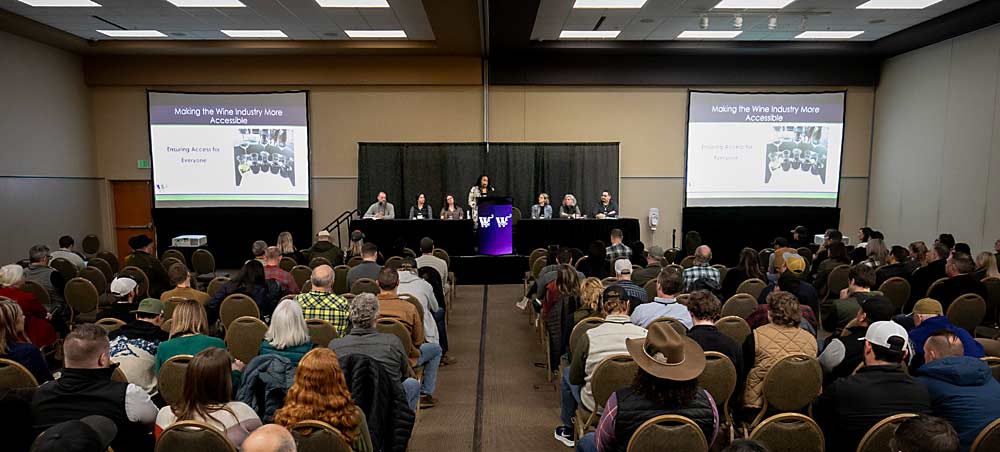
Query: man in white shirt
(65, 251)
(435, 328)
(668, 284)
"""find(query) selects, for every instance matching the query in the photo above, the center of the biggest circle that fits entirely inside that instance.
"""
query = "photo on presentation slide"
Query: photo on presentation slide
(265, 152)
(797, 150)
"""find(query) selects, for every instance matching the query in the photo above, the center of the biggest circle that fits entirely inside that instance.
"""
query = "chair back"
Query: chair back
(719, 377)
(993, 304)
(679, 432)
(364, 285)
(650, 288)
(608, 281)
(321, 332)
(90, 244)
(687, 262)
(38, 291)
(990, 346)
(764, 258)
(579, 261)
(397, 328)
(415, 302)
(611, 374)
(536, 268)
(897, 290)
(934, 286)
(354, 261)
(994, 363)
(675, 267)
(119, 375)
(103, 266)
(673, 323)
(740, 305)
(394, 262)
(734, 327)
(203, 261)
(193, 436)
(442, 254)
(837, 280)
(340, 279)
(722, 271)
(300, 274)
(988, 439)
(173, 253)
(582, 328)
(110, 324)
(877, 438)
(535, 254)
(81, 295)
(801, 372)
(235, 306)
(111, 259)
(65, 268)
(215, 284)
(318, 436)
(967, 312)
(515, 216)
(669, 255)
(139, 276)
(319, 260)
(171, 378)
(789, 432)
(244, 336)
(752, 287)
(15, 376)
(170, 262)
(96, 277)
(286, 263)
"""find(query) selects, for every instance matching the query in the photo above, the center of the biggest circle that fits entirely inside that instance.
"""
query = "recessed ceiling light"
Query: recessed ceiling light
(589, 34)
(609, 4)
(207, 3)
(897, 4)
(132, 33)
(59, 3)
(254, 33)
(709, 34)
(828, 34)
(376, 33)
(353, 3)
(753, 4)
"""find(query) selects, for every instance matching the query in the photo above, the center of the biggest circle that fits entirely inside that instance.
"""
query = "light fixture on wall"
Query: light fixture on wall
(737, 21)
(703, 23)
(772, 22)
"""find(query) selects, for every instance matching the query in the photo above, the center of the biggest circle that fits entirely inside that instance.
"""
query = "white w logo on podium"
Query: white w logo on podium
(503, 221)
(484, 222)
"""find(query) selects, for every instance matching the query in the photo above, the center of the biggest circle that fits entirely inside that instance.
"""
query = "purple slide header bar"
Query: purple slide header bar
(270, 109)
(777, 108)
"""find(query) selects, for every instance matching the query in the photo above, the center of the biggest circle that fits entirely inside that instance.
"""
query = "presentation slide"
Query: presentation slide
(229, 150)
(764, 149)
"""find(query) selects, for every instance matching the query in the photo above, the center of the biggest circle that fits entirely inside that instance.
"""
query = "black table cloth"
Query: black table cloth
(531, 234)
(457, 237)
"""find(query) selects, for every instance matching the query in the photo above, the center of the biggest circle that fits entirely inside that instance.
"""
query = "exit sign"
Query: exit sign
(143, 164)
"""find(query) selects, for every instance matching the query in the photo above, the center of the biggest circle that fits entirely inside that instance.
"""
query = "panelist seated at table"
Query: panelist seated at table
(606, 208)
(421, 210)
(450, 211)
(542, 210)
(569, 209)
(381, 208)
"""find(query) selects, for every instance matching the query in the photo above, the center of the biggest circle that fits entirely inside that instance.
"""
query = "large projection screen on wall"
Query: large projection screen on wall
(229, 150)
(764, 149)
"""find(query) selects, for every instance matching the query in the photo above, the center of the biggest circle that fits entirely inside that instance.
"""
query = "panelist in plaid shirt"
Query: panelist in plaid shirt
(321, 303)
(702, 268)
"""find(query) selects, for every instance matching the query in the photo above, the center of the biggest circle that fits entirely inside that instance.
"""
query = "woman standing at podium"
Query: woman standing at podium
(480, 190)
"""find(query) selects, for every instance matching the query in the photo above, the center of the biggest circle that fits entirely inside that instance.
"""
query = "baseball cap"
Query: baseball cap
(656, 251)
(928, 306)
(149, 306)
(90, 434)
(794, 263)
(614, 291)
(800, 230)
(121, 286)
(878, 309)
(623, 267)
(879, 333)
(323, 233)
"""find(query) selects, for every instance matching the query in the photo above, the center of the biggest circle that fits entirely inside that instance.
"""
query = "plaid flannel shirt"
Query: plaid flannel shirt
(283, 278)
(619, 251)
(697, 272)
(325, 306)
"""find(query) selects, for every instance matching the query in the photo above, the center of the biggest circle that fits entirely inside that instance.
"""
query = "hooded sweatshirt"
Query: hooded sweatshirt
(410, 283)
(964, 392)
(133, 347)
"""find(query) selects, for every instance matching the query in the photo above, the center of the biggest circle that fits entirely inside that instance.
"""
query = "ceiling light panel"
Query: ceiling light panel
(207, 3)
(353, 3)
(132, 33)
(609, 4)
(254, 33)
(753, 4)
(828, 34)
(60, 3)
(709, 34)
(897, 4)
(376, 33)
(589, 34)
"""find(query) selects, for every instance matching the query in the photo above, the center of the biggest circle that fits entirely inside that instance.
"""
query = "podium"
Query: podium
(495, 225)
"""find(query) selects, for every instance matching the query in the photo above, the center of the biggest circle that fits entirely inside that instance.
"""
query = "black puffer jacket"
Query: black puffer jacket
(390, 420)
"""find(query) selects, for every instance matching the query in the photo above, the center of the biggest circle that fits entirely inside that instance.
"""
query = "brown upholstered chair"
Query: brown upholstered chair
(340, 279)
(171, 261)
(65, 268)
(321, 332)
(740, 305)
(364, 285)
(175, 254)
(394, 262)
(934, 286)
(398, 329)
(580, 328)
(244, 336)
(193, 436)
(139, 276)
(687, 262)
(354, 261)
(103, 266)
(286, 263)
(722, 271)
(734, 327)
(235, 306)
(171, 378)
(82, 296)
(789, 432)
(318, 436)
(674, 323)
(90, 244)
(990, 346)
(719, 379)
(301, 274)
(764, 257)
(897, 290)
(96, 277)
(111, 259)
(110, 324)
(791, 385)
(611, 374)
(119, 375)
(317, 261)
(681, 433)
(752, 287)
(215, 284)
(877, 438)
(443, 255)
(203, 263)
(14, 376)
(38, 291)
(836, 281)
(967, 312)
(994, 363)
(988, 439)
(993, 304)
(535, 254)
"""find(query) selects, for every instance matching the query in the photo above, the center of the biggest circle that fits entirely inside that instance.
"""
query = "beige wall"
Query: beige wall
(649, 122)
(48, 186)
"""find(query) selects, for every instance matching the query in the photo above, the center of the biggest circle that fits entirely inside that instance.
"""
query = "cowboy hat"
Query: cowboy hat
(665, 354)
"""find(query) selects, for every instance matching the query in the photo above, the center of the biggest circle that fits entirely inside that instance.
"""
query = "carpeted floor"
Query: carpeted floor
(519, 409)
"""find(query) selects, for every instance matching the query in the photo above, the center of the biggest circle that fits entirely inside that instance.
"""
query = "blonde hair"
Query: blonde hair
(571, 197)
(288, 326)
(10, 275)
(545, 196)
(590, 293)
(11, 324)
(877, 251)
(285, 243)
(189, 318)
(985, 260)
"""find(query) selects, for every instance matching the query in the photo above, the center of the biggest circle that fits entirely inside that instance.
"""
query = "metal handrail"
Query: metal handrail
(335, 224)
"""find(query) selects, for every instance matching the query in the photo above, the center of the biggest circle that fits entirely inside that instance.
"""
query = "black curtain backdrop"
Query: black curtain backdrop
(518, 170)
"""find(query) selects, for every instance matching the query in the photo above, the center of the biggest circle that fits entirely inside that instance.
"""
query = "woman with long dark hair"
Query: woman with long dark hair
(320, 393)
(748, 267)
(207, 397)
(250, 281)
(421, 210)
(451, 211)
(836, 255)
(482, 189)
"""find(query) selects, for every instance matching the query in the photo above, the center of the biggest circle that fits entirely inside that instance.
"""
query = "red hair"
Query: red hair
(320, 394)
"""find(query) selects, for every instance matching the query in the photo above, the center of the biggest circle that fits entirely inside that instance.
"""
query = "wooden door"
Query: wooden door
(133, 213)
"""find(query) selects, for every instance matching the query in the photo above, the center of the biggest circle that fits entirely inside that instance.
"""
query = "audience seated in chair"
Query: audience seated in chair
(596, 263)
(836, 255)
(792, 267)
(134, 345)
(321, 303)
(189, 336)
(748, 267)
(320, 393)
(669, 284)
(837, 313)
(428, 259)
(562, 298)
(653, 264)
(961, 280)
(435, 327)
(842, 353)
(369, 268)
(702, 268)
(850, 406)
(142, 258)
(270, 438)
(617, 250)
(623, 273)
(86, 388)
(288, 334)
(768, 344)
(962, 388)
(562, 255)
(180, 277)
(590, 300)
(66, 251)
(93, 433)
(208, 392)
(790, 284)
(250, 281)
(125, 290)
(899, 265)
(666, 383)
(595, 344)
(923, 277)
(40, 273)
(286, 246)
(924, 434)
(326, 249)
(929, 318)
(705, 310)
(273, 270)
(37, 327)
(13, 346)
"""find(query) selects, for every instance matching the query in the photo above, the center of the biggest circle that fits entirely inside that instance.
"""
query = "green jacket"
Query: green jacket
(294, 354)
